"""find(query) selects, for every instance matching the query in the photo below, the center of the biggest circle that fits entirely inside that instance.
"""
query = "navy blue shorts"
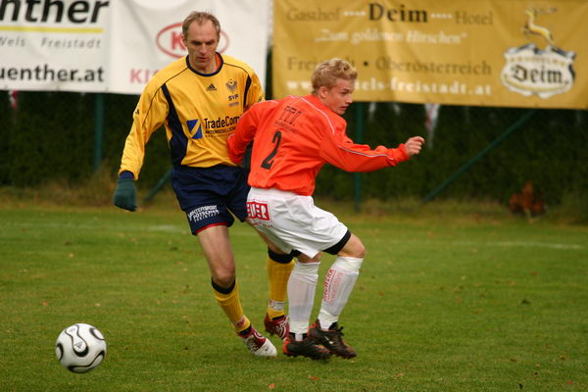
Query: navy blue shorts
(211, 195)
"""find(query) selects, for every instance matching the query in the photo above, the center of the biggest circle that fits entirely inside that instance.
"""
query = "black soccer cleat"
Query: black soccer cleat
(332, 340)
(307, 347)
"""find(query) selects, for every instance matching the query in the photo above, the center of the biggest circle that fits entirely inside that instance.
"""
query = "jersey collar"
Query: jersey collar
(219, 59)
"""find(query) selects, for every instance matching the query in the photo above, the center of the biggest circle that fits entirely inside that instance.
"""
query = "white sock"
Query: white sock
(339, 283)
(301, 290)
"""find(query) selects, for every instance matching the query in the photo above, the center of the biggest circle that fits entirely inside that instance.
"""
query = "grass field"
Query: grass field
(468, 299)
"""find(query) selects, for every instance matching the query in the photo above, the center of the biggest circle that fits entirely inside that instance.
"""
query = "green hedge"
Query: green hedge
(51, 137)
(549, 149)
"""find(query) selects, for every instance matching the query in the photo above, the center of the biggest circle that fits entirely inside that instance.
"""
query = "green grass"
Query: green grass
(459, 298)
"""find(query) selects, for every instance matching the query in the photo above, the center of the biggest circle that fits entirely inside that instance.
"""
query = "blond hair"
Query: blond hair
(200, 17)
(326, 73)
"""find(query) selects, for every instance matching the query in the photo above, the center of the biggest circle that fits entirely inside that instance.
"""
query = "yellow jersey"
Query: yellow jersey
(199, 112)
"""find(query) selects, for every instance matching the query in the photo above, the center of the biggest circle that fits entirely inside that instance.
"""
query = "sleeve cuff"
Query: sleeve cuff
(398, 154)
(126, 175)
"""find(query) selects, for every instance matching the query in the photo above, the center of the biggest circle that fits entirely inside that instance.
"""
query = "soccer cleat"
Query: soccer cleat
(332, 340)
(257, 344)
(278, 326)
(307, 347)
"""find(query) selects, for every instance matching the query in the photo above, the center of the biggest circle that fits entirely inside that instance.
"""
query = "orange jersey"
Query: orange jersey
(294, 137)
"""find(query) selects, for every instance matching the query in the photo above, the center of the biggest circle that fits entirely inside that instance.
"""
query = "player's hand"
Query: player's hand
(413, 145)
(125, 194)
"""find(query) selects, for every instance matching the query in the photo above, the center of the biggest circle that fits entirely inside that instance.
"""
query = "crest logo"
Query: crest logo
(530, 70)
(231, 85)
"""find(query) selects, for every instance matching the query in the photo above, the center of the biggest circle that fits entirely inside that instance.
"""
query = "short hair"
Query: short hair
(200, 17)
(326, 73)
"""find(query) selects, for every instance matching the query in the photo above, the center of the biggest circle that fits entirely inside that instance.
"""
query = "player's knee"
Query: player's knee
(224, 277)
(360, 251)
(353, 248)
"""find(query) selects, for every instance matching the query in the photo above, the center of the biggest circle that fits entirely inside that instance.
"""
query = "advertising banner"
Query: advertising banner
(463, 52)
(115, 46)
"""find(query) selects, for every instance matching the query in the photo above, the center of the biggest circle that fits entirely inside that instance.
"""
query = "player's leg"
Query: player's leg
(216, 246)
(273, 216)
(301, 291)
(339, 282)
(203, 194)
(278, 266)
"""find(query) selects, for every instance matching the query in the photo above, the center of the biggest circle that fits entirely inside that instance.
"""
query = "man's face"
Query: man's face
(201, 42)
(338, 97)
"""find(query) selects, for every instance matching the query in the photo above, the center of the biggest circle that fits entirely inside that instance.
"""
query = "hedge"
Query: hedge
(50, 136)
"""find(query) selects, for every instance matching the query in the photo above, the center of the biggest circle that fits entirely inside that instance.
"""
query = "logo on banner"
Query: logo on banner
(530, 70)
(169, 41)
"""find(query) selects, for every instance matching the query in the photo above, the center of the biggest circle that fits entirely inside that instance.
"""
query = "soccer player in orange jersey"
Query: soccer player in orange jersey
(293, 138)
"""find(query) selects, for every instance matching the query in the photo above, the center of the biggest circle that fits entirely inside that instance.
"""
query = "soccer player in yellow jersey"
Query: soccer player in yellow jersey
(199, 99)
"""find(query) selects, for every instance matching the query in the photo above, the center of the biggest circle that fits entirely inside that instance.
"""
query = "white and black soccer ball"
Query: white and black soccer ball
(80, 348)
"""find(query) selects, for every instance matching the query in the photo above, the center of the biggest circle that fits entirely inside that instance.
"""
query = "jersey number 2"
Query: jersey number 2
(267, 162)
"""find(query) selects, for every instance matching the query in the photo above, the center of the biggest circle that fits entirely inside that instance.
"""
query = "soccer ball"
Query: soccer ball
(80, 348)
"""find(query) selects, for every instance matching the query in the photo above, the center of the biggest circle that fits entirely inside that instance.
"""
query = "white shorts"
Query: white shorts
(293, 223)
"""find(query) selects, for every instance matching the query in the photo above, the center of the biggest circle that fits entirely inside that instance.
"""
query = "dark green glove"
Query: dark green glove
(125, 194)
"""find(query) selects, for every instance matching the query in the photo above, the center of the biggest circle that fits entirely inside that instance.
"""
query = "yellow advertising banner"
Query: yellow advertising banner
(520, 53)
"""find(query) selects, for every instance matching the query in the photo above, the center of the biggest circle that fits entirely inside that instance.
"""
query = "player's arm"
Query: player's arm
(244, 133)
(247, 127)
(342, 152)
(148, 116)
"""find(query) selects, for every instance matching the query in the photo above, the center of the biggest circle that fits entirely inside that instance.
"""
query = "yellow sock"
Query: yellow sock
(278, 274)
(230, 303)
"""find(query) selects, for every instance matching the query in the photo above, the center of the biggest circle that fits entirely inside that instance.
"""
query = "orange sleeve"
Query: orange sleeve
(340, 151)
(243, 135)
(247, 127)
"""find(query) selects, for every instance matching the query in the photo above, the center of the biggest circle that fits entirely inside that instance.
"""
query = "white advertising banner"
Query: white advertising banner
(115, 46)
